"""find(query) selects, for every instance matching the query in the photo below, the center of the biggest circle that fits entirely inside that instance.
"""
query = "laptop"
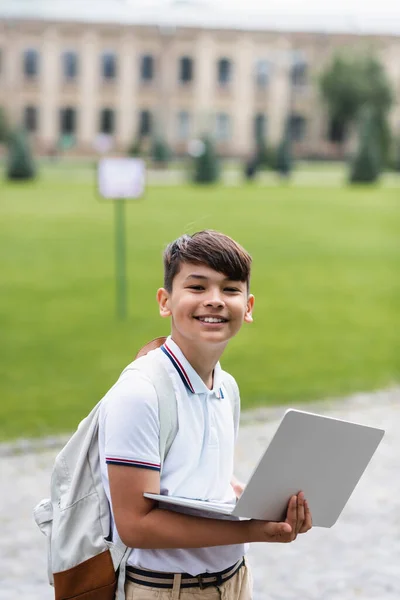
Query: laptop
(322, 456)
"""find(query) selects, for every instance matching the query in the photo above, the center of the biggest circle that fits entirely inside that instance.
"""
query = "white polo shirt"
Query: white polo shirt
(199, 463)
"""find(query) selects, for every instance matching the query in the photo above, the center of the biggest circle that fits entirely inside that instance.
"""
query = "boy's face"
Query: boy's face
(205, 306)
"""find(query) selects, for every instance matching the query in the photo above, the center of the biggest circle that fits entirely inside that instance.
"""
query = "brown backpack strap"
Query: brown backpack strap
(156, 343)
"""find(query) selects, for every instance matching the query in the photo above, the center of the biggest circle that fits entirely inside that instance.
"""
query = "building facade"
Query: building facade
(91, 87)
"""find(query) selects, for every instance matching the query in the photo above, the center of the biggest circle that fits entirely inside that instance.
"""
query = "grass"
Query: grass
(326, 281)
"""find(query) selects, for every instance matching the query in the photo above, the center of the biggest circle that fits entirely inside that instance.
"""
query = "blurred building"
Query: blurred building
(96, 77)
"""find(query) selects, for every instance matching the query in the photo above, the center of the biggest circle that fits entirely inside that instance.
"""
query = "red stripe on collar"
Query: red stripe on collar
(178, 365)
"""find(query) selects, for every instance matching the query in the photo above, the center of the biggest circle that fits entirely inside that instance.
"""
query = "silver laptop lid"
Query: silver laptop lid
(322, 456)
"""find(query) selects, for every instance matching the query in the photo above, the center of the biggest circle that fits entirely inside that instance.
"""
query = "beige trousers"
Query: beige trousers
(239, 587)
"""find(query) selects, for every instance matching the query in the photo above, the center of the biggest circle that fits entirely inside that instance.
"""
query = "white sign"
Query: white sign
(120, 178)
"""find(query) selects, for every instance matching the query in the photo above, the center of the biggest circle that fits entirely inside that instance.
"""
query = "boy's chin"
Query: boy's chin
(215, 337)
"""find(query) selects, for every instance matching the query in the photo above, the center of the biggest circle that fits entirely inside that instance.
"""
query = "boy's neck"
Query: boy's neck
(202, 358)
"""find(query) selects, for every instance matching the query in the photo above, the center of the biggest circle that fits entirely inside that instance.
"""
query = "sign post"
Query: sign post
(120, 179)
(120, 259)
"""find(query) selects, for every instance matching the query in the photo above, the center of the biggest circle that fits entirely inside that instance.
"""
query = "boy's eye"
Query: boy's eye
(232, 289)
(195, 287)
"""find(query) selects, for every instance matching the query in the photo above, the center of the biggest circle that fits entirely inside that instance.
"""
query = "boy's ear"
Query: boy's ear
(163, 302)
(248, 317)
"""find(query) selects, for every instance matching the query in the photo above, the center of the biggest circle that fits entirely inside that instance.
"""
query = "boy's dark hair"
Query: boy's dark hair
(210, 248)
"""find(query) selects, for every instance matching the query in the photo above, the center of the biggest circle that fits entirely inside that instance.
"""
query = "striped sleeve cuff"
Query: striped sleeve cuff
(114, 460)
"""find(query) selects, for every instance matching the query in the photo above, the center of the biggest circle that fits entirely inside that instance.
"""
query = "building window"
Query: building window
(70, 65)
(145, 124)
(147, 68)
(31, 119)
(68, 121)
(224, 71)
(185, 69)
(297, 128)
(262, 73)
(260, 127)
(299, 74)
(183, 125)
(107, 121)
(109, 66)
(31, 63)
(222, 127)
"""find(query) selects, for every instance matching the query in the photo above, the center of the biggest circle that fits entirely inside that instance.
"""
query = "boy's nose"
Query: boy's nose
(214, 300)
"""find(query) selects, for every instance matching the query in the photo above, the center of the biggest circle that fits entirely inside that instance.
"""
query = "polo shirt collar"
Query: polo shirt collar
(188, 375)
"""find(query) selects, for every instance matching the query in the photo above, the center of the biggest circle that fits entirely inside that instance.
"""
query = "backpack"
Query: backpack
(83, 561)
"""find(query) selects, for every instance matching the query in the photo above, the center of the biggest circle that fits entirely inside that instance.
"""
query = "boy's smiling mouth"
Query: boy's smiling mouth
(211, 319)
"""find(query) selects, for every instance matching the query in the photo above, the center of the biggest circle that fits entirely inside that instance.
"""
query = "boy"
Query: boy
(176, 555)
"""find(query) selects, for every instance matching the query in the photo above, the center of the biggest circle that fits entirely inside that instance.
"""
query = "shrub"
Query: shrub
(3, 127)
(160, 152)
(135, 149)
(394, 159)
(366, 165)
(20, 163)
(250, 168)
(206, 166)
(284, 162)
(262, 154)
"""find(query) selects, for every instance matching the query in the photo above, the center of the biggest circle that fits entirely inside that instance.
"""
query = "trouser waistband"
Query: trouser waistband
(158, 579)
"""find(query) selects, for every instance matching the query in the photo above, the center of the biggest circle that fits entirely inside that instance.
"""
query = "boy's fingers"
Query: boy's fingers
(308, 519)
(291, 515)
(300, 512)
(298, 519)
(292, 509)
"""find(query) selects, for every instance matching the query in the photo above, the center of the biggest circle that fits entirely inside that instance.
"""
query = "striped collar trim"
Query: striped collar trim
(178, 366)
(185, 377)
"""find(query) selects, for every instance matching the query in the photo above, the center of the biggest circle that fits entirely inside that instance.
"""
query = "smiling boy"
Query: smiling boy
(176, 555)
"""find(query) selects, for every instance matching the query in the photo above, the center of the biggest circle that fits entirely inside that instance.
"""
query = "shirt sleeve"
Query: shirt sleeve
(131, 423)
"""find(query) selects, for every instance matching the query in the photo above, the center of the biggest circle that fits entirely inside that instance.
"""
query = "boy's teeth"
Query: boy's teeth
(211, 320)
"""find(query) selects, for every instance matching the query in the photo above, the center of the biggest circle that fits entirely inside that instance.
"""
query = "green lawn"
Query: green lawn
(326, 281)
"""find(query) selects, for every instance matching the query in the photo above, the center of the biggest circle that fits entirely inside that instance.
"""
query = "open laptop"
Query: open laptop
(322, 456)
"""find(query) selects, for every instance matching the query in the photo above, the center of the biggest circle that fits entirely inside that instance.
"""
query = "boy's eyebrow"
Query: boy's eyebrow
(203, 277)
(196, 276)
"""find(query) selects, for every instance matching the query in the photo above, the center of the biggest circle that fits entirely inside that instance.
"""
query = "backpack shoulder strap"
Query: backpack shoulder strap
(234, 396)
(151, 365)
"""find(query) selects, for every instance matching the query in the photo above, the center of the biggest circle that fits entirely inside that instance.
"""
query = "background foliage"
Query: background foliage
(348, 84)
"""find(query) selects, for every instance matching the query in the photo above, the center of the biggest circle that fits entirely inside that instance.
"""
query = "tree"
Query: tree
(366, 166)
(206, 165)
(3, 126)
(20, 161)
(351, 82)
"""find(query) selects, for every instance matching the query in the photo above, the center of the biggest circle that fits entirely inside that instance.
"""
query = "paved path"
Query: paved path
(359, 558)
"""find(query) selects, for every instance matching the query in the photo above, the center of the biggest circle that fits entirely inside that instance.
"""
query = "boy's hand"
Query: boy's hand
(298, 520)
(238, 486)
